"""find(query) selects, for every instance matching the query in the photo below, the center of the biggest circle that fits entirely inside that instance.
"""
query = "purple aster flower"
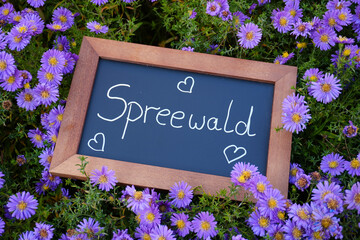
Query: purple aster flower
(121, 235)
(15, 17)
(224, 5)
(52, 181)
(238, 237)
(239, 18)
(302, 181)
(326, 89)
(324, 221)
(142, 232)
(62, 44)
(337, 4)
(275, 232)
(181, 194)
(22, 205)
(333, 203)
(295, 117)
(36, 137)
(26, 77)
(45, 121)
(213, 8)
(41, 187)
(52, 135)
(225, 15)
(330, 20)
(3, 41)
(6, 10)
(301, 29)
(138, 200)
(46, 94)
(282, 21)
(332, 163)
(63, 16)
(24, 28)
(89, 226)
(96, 27)
(7, 65)
(12, 83)
(2, 181)
(81, 236)
(36, 3)
(324, 188)
(292, 100)
(37, 24)
(49, 77)
(182, 223)
(69, 62)
(292, 231)
(21, 160)
(28, 235)
(188, 49)
(150, 216)
(16, 41)
(192, 14)
(55, 116)
(353, 167)
(258, 185)
(313, 74)
(53, 61)
(204, 225)
(294, 10)
(300, 214)
(162, 232)
(105, 178)
(350, 131)
(27, 100)
(65, 193)
(242, 174)
(356, 16)
(43, 231)
(252, 8)
(249, 35)
(324, 38)
(279, 60)
(57, 27)
(259, 223)
(46, 157)
(99, 2)
(344, 17)
(352, 197)
(271, 202)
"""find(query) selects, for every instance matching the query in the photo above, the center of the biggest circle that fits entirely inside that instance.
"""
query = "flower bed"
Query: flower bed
(39, 43)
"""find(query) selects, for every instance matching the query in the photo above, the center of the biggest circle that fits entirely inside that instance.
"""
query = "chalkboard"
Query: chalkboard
(157, 116)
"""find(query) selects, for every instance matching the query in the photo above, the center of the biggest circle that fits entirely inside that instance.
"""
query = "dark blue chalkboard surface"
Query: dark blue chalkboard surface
(177, 119)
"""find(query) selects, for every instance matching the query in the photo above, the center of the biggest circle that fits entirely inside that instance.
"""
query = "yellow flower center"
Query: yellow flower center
(38, 137)
(342, 16)
(63, 19)
(333, 204)
(297, 233)
(293, 12)
(346, 52)
(285, 54)
(11, 80)
(245, 175)
(22, 29)
(146, 237)
(326, 222)
(56, 26)
(249, 36)
(180, 224)
(59, 117)
(60, 47)
(325, 87)
(161, 238)
(283, 21)
(324, 38)
(53, 61)
(302, 182)
(49, 158)
(281, 215)
(17, 39)
(6, 11)
(279, 236)
(181, 194)
(22, 205)
(54, 138)
(138, 195)
(27, 85)
(260, 187)
(355, 163)
(103, 179)
(97, 26)
(45, 187)
(333, 164)
(150, 217)
(301, 45)
(3, 65)
(17, 18)
(264, 222)
(28, 97)
(324, 194)
(272, 203)
(45, 94)
(296, 118)
(302, 214)
(49, 76)
(332, 21)
(357, 199)
(317, 235)
(301, 28)
(294, 171)
(313, 78)
(43, 233)
(205, 225)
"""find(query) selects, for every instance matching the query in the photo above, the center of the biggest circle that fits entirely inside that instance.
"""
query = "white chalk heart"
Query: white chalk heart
(235, 150)
(186, 87)
(102, 139)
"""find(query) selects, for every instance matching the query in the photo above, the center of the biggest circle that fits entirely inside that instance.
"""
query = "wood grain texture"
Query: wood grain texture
(65, 155)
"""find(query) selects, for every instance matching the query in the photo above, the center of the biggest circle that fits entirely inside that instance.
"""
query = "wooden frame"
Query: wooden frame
(92, 49)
